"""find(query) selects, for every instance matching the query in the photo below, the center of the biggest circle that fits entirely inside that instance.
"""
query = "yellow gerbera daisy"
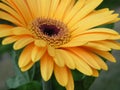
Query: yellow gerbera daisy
(61, 35)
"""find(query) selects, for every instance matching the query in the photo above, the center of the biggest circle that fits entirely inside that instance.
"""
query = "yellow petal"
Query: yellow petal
(70, 84)
(21, 31)
(22, 42)
(67, 58)
(74, 42)
(95, 73)
(96, 34)
(33, 6)
(96, 37)
(25, 58)
(12, 12)
(74, 10)
(37, 53)
(69, 7)
(10, 39)
(51, 51)
(104, 54)
(54, 5)
(40, 43)
(44, 8)
(46, 64)
(97, 19)
(27, 67)
(61, 9)
(95, 30)
(86, 57)
(5, 26)
(58, 58)
(12, 5)
(22, 7)
(100, 11)
(89, 1)
(115, 20)
(5, 1)
(84, 11)
(4, 33)
(111, 44)
(61, 75)
(98, 46)
(81, 65)
(8, 17)
(101, 30)
(100, 62)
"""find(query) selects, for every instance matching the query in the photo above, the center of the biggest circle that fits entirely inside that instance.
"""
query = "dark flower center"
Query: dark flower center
(49, 30)
(54, 32)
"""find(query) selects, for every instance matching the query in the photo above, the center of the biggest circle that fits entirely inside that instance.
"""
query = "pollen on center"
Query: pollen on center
(54, 32)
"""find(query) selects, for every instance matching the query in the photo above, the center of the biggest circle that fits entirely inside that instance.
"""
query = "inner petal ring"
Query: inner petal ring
(54, 32)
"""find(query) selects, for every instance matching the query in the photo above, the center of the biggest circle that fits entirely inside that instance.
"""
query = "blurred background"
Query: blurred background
(108, 80)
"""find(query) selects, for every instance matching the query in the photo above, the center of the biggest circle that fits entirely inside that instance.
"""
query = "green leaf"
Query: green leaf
(15, 56)
(84, 83)
(88, 82)
(47, 85)
(30, 86)
(77, 75)
(81, 81)
(5, 48)
(79, 85)
(16, 81)
(111, 26)
(110, 4)
(55, 84)
(20, 78)
(36, 72)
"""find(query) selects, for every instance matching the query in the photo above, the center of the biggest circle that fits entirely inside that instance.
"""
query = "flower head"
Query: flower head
(61, 35)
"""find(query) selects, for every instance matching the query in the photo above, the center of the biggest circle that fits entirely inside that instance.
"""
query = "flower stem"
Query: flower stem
(47, 85)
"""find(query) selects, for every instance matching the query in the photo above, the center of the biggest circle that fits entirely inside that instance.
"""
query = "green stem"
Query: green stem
(47, 85)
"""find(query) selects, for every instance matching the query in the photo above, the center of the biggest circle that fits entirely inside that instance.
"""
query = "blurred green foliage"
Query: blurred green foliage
(110, 4)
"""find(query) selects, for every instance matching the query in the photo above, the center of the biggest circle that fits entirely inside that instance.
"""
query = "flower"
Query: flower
(61, 35)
